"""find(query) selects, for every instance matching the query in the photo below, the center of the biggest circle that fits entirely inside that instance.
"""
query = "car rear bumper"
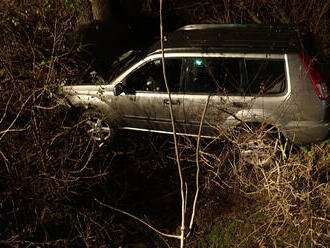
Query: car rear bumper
(304, 132)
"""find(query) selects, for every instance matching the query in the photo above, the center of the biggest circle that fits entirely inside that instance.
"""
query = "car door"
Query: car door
(145, 103)
(221, 80)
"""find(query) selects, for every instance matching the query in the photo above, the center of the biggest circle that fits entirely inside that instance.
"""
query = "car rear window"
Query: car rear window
(264, 77)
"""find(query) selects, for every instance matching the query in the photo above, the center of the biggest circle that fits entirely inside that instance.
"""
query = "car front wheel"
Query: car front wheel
(96, 126)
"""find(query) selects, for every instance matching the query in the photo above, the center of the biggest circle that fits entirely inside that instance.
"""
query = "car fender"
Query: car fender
(96, 97)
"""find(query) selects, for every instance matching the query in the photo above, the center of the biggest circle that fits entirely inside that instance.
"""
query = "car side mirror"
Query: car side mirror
(118, 89)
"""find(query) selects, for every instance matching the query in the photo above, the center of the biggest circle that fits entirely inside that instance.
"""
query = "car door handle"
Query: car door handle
(174, 102)
(239, 104)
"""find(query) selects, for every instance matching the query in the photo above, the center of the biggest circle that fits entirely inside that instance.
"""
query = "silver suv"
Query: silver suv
(250, 73)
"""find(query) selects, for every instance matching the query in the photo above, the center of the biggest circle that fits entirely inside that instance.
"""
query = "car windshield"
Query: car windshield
(124, 62)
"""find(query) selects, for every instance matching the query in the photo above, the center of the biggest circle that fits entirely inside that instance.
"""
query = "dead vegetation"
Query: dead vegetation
(282, 203)
(51, 172)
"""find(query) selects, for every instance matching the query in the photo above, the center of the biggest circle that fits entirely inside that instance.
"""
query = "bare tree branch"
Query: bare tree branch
(173, 128)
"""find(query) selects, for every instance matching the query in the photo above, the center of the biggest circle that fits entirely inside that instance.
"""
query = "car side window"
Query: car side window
(149, 77)
(213, 75)
(234, 76)
(264, 77)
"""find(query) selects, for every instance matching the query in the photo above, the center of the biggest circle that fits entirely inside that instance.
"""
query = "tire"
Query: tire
(256, 146)
(97, 126)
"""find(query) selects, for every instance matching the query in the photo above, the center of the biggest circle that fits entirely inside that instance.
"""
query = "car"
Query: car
(250, 75)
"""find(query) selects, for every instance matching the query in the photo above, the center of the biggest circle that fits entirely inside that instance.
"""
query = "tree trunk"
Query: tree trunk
(100, 9)
(85, 12)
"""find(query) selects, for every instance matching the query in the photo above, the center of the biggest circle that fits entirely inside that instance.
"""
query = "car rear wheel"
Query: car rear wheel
(257, 147)
(96, 126)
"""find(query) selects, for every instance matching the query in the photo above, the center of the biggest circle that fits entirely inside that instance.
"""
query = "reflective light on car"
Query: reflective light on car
(198, 62)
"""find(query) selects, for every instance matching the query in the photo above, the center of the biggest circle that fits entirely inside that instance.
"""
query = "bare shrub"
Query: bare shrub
(48, 167)
(50, 171)
(287, 197)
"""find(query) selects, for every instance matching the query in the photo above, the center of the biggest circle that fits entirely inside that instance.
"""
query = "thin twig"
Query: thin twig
(138, 219)
(197, 162)
(6, 108)
(87, 162)
(6, 161)
(53, 58)
(17, 116)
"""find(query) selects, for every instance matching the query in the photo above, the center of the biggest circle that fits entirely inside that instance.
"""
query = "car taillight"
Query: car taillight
(315, 76)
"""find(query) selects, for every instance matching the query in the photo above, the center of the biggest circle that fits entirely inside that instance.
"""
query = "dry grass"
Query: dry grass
(283, 203)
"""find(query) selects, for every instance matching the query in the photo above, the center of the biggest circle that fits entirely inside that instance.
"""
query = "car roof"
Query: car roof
(238, 38)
